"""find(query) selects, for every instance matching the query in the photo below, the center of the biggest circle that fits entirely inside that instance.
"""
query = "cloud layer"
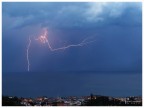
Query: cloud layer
(88, 14)
(116, 27)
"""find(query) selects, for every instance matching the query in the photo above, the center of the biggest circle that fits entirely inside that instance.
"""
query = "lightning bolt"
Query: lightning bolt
(28, 53)
(44, 40)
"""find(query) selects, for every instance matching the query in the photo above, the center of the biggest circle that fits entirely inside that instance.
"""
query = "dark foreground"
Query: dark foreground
(92, 100)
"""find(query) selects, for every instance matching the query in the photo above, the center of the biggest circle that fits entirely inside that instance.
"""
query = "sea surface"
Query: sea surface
(52, 84)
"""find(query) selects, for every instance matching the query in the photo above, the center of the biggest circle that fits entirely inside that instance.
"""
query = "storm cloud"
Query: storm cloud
(69, 14)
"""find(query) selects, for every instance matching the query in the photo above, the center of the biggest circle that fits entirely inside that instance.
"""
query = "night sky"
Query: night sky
(112, 65)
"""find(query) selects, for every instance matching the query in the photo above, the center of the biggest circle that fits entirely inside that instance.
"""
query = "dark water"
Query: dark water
(66, 84)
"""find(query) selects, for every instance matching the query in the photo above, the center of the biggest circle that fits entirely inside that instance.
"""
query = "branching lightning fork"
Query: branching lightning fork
(44, 39)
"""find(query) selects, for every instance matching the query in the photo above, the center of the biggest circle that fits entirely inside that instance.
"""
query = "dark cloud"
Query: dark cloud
(73, 14)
